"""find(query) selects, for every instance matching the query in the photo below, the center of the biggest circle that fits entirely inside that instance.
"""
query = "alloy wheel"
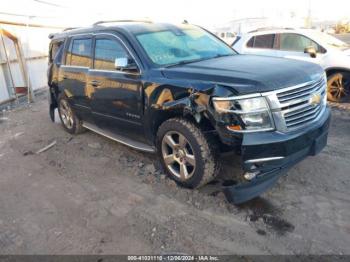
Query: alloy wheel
(336, 88)
(178, 155)
(66, 114)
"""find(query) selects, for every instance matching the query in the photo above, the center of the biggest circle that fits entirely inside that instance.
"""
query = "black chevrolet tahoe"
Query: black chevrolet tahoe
(179, 91)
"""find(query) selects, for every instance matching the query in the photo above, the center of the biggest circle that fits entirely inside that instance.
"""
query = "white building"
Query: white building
(23, 58)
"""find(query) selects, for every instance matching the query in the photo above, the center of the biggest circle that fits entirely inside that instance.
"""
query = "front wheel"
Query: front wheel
(186, 153)
(337, 87)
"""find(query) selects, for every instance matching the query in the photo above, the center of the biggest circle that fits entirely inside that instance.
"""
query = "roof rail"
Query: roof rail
(270, 28)
(69, 28)
(121, 21)
(52, 35)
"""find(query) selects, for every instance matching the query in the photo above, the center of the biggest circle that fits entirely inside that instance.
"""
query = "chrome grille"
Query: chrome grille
(301, 91)
(301, 116)
(296, 106)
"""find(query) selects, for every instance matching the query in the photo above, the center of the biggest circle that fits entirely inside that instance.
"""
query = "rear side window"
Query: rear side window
(106, 51)
(262, 41)
(80, 52)
(58, 57)
(251, 42)
(55, 48)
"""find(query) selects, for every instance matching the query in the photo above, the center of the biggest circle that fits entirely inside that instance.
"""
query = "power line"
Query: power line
(49, 3)
(25, 15)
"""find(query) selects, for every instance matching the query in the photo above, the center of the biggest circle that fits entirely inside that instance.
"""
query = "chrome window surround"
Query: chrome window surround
(278, 109)
(109, 71)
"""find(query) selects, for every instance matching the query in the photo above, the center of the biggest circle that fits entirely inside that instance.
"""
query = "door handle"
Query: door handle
(95, 83)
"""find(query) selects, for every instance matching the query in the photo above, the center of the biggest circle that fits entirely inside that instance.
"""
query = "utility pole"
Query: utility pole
(308, 21)
(30, 92)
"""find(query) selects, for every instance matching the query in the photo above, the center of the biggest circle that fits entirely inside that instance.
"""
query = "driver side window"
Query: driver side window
(106, 51)
(296, 43)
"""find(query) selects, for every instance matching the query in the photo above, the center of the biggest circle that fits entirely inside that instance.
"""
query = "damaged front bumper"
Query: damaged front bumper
(270, 154)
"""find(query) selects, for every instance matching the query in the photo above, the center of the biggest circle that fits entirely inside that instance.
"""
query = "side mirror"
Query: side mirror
(125, 63)
(121, 63)
(311, 51)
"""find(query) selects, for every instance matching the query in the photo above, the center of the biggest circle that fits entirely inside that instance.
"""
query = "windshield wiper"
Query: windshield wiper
(222, 55)
(184, 62)
(197, 60)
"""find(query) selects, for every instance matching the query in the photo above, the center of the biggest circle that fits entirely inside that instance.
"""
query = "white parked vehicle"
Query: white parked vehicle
(303, 44)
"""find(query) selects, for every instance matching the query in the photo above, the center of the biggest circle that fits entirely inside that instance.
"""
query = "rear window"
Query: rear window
(262, 41)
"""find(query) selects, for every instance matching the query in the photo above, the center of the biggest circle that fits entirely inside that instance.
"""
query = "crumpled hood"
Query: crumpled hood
(247, 73)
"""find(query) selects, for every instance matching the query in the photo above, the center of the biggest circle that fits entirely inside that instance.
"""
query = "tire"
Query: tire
(70, 122)
(181, 143)
(337, 87)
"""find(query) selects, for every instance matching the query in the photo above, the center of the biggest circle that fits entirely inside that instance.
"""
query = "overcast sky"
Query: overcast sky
(203, 12)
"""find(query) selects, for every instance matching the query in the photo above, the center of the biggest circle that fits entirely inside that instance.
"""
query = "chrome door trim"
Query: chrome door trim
(120, 40)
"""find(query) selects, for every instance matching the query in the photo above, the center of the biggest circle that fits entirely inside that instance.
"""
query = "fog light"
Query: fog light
(250, 175)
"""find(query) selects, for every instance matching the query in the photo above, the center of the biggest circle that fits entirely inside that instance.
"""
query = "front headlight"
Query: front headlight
(252, 114)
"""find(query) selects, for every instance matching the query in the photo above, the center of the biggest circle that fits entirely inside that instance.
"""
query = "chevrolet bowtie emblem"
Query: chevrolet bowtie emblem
(315, 99)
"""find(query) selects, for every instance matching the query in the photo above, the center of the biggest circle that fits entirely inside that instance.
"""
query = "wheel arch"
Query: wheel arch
(53, 99)
(201, 121)
(176, 99)
(332, 70)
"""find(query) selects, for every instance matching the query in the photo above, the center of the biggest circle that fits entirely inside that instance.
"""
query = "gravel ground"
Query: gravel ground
(90, 195)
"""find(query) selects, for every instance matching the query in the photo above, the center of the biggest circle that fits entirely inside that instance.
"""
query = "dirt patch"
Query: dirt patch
(89, 195)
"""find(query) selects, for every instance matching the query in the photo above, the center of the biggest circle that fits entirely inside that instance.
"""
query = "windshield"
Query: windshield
(177, 46)
(327, 39)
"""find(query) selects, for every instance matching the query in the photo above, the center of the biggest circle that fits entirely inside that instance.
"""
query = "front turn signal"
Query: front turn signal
(234, 128)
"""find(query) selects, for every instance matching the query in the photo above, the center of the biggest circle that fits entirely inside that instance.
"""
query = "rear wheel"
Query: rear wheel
(337, 87)
(186, 153)
(69, 120)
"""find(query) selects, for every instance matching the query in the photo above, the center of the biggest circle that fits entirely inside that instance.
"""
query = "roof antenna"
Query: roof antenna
(185, 21)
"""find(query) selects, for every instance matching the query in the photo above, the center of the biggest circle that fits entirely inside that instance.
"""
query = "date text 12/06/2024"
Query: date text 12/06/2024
(174, 258)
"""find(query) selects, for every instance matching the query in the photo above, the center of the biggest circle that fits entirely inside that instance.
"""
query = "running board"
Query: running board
(121, 139)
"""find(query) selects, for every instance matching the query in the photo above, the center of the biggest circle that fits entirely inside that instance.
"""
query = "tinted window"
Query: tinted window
(59, 55)
(106, 51)
(251, 42)
(55, 48)
(262, 41)
(295, 42)
(80, 52)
